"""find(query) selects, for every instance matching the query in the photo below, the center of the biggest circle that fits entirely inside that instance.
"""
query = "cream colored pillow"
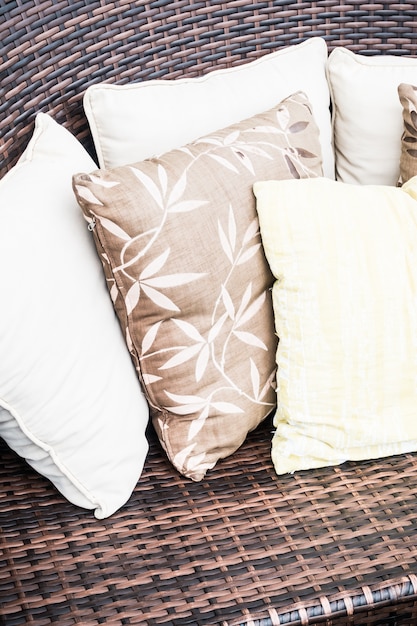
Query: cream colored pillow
(367, 117)
(136, 121)
(179, 239)
(345, 304)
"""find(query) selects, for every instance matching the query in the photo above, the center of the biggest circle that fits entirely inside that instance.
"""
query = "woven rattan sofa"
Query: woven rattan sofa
(333, 545)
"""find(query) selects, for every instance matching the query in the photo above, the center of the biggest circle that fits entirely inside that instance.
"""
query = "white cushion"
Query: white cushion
(71, 403)
(136, 121)
(367, 114)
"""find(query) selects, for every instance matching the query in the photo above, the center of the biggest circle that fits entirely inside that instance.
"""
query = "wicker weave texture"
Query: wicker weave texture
(243, 547)
(52, 50)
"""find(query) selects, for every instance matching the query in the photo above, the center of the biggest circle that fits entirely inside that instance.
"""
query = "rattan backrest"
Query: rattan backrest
(52, 50)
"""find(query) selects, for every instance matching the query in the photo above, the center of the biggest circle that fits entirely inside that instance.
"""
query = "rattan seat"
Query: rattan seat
(243, 543)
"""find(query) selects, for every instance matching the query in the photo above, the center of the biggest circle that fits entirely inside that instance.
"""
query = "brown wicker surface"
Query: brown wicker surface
(242, 545)
(52, 49)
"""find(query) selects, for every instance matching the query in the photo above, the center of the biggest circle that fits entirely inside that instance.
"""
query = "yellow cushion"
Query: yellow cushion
(345, 306)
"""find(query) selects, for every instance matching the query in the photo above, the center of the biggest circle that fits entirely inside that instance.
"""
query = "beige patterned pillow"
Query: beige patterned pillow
(408, 159)
(179, 239)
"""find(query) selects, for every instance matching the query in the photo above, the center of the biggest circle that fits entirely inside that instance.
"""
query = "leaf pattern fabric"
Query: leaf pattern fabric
(179, 240)
(408, 160)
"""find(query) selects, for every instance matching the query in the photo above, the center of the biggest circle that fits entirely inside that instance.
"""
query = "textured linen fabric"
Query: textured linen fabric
(367, 120)
(136, 121)
(408, 161)
(180, 242)
(70, 403)
(345, 262)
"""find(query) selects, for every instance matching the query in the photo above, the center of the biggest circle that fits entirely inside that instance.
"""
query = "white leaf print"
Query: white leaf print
(214, 331)
(271, 382)
(231, 138)
(114, 292)
(113, 228)
(149, 337)
(178, 189)
(225, 243)
(186, 151)
(195, 427)
(128, 339)
(232, 228)
(103, 183)
(228, 303)
(184, 409)
(227, 407)
(245, 301)
(132, 297)
(172, 280)
(255, 378)
(179, 458)
(224, 163)
(250, 339)
(186, 404)
(196, 462)
(251, 231)
(251, 310)
(154, 266)
(178, 398)
(246, 161)
(283, 117)
(150, 186)
(197, 424)
(159, 298)
(163, 426)
(87, 195)
(268, 130)
(202, 361)
(148, 379)
(189, 330)
(186, 205)
(163, 178)
(248, 254)
(213, 141)
(181, 357)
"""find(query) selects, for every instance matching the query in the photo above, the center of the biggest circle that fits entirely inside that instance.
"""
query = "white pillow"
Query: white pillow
(130, 123)
(367, 114)
(69, 397)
